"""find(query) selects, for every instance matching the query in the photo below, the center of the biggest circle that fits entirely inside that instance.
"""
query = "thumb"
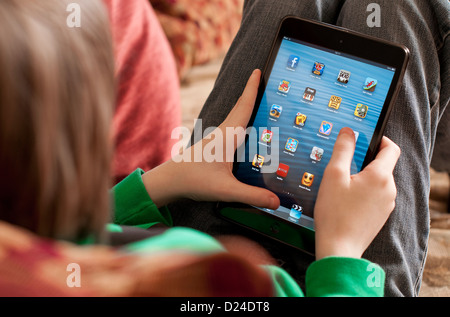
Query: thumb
(343, 151)
(252, 195)
(242, 111)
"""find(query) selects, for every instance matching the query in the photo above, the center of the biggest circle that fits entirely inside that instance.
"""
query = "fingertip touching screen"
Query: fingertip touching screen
(310, 94)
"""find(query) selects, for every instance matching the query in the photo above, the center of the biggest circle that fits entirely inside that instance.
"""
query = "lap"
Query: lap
(401, 246)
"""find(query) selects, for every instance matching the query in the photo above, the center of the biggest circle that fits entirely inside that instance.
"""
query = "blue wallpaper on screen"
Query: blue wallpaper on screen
(294, 63)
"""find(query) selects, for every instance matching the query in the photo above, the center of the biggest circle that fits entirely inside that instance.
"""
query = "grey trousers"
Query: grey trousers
(419, 123)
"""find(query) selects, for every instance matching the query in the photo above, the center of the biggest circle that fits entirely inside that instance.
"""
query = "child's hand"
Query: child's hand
(351, 209)
(211, 181)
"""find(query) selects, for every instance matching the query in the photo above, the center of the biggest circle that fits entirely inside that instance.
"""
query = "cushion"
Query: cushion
(148, 102)
(198, 31)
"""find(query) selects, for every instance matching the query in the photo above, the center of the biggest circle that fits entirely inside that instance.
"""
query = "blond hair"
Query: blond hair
(56, 103)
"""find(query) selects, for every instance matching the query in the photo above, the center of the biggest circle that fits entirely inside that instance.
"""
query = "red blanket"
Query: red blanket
(30, 266)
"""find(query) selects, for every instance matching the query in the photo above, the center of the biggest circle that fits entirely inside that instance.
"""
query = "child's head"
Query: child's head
(56, 103)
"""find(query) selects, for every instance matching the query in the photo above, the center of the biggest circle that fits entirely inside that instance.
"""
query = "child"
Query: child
(56, 99)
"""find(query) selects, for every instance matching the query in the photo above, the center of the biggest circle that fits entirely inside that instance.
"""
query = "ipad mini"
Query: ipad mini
(318, 79)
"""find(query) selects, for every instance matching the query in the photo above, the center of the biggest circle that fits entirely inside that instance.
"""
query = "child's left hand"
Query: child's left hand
(213, 180)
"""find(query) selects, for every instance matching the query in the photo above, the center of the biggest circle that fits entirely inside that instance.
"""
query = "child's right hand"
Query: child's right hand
(351, 209)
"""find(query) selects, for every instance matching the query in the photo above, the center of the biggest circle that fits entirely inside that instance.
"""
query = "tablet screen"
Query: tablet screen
(310, 93)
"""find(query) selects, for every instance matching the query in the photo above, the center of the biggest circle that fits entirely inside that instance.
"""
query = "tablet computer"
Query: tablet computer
(318, 79)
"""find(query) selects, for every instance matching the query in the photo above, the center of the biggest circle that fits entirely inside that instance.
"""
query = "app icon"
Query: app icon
(266, 136)
(284, 86)
(282, 170)
(335, 102)
(258, 161)
(309, 94)
(300, 119)
(370, 84)
(316, 154)
(325, 128)
(292, 62)
(275, 111)
(318, 68)
(344, 76)
(307, 179)
(291, 145)
(361, 110)
(296, 211)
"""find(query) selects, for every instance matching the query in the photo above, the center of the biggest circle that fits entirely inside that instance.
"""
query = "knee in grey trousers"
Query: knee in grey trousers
(419, 122)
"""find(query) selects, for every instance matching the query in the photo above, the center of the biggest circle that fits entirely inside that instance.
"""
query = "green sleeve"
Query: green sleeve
(284, 285)
(336, 276)
(332, 276)
(133, 205)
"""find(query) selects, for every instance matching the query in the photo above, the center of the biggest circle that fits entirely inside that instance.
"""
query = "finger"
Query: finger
(251, 195)
(387, 156)
(343, 151)
(242, 111)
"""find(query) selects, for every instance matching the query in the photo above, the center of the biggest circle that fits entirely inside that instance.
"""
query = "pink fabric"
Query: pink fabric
(148, 104)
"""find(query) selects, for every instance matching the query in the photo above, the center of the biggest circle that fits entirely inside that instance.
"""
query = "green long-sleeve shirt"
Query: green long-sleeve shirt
(331, 276)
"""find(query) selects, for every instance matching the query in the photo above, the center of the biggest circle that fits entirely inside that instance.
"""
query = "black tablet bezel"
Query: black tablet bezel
(340, 40)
